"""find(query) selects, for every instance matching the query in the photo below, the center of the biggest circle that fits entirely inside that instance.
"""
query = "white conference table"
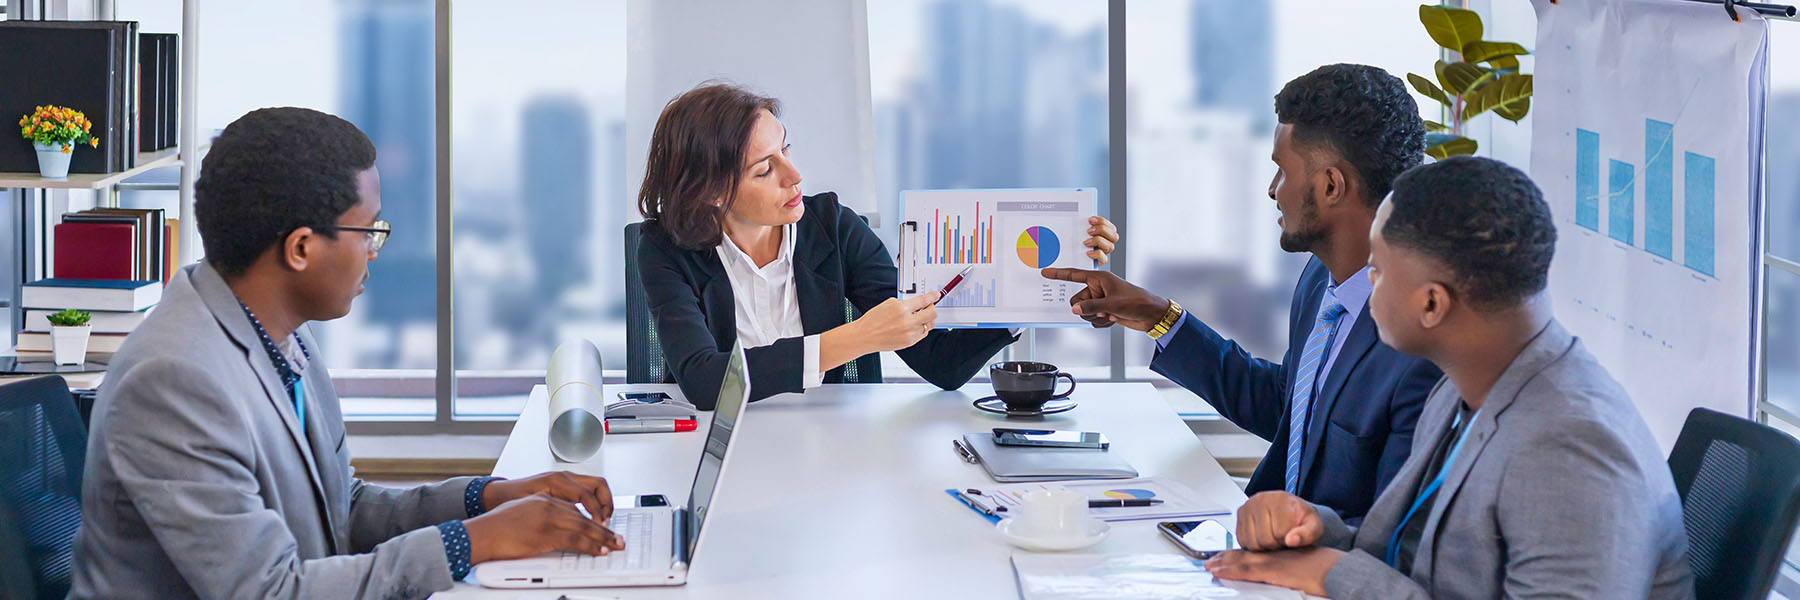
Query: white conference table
(840, 491)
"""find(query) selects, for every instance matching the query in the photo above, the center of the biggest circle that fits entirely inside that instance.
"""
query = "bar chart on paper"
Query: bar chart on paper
(1647, 129)
(1007, 236)
(1655, 185)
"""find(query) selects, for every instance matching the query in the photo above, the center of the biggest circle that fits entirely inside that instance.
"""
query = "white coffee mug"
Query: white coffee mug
(1053, 514)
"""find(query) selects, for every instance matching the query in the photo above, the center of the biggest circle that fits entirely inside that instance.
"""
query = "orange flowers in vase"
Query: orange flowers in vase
(55, 130)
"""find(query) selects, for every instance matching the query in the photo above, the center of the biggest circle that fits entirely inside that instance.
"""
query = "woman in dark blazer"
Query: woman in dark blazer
(732, 251)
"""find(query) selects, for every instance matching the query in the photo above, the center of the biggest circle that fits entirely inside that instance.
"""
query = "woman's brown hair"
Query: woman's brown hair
(696, 151)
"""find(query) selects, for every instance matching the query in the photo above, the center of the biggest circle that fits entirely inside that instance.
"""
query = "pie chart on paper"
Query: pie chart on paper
(1038, 247)
(1130, 494)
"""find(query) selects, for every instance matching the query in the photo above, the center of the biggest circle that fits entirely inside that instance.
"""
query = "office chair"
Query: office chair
(1740, 495)
(644, 361)
(42, 445)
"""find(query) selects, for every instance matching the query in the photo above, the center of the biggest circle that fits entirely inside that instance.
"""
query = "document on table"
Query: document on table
(1135, 576)
(1178, 500)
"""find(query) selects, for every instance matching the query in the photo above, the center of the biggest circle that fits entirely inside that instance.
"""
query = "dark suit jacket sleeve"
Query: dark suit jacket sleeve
(694, 358)
(946, 358)
(1415, 385)
(1249, 391)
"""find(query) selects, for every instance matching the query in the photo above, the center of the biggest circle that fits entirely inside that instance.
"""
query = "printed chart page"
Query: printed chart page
(1006, 236)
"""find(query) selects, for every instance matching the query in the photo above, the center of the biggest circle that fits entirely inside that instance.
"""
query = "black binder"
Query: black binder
(73, 67)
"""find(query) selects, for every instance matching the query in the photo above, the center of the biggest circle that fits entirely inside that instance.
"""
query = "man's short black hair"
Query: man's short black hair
(273, 171)
(1483, 219)
(1363, 114)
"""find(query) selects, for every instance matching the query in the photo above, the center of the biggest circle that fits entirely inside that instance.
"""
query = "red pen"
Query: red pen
(945, 292)
(617, 425)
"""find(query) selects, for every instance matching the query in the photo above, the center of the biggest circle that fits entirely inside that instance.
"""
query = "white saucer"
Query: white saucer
(1096, 531)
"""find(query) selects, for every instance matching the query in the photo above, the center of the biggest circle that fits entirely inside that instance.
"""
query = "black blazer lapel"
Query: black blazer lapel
(820, 292)
(1357, 344)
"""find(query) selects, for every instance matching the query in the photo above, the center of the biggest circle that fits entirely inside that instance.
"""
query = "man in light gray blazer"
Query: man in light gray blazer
(216, 464)
(1532, 475)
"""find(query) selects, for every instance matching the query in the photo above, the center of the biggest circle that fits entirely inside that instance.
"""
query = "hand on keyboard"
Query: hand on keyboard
(592, 493)
(534, 525)
(636, 527)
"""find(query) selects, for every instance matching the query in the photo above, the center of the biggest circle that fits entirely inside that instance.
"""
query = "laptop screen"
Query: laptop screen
(734, 392)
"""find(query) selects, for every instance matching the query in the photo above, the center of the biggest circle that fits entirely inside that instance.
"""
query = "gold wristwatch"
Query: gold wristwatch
(1168, 321)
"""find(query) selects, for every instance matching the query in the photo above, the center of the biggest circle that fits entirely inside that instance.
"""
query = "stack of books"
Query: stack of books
(111, 262)
(117, 305)
(114, 243)
(124, 81)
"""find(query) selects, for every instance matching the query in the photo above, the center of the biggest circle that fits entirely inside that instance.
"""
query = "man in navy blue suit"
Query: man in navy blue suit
(1339, 409)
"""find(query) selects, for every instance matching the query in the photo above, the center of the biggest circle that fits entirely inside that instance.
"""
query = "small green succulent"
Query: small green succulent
(70, 317)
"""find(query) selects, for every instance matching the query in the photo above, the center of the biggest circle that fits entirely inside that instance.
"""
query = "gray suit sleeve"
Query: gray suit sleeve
(1337, 534)
(1361, 576)
(1572, 509)
(182, 450)
(378, 513)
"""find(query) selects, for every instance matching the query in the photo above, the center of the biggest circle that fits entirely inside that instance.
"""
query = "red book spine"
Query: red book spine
(94, 251)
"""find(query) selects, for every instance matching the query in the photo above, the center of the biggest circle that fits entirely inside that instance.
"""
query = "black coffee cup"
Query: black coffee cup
(1025, 386)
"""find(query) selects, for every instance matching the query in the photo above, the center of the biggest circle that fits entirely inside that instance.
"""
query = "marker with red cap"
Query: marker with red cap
(628, 425)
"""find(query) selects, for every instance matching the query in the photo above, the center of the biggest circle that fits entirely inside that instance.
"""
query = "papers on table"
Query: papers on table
(1135, 576)
(1178, 500)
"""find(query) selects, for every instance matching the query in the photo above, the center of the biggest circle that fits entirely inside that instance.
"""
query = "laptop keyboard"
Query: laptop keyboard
(635, 528)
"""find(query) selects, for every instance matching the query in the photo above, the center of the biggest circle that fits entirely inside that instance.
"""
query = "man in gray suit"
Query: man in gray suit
(1532, 474)
(216, 465)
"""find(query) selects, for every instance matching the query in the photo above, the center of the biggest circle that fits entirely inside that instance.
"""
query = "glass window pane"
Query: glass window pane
(992, 94)
(369, 62)
(1202, 76)
(1784, 141)
(541, 192)
(1783, 342)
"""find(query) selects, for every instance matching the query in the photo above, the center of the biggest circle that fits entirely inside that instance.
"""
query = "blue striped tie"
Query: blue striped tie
(1318, 344)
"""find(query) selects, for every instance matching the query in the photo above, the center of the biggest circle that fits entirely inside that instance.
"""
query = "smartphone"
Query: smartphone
(1199, 539)
(1050, 438)
(644, 397)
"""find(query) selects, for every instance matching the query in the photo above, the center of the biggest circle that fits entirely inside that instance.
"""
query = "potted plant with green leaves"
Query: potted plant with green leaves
(55, 131)
(1485, 78)
(69, 336)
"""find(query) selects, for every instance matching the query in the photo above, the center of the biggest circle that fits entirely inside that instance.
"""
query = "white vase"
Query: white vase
(53, 163)
(68, 345)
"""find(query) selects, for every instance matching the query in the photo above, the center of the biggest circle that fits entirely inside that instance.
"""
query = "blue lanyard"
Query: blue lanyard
(1393, 551)
(300, 402)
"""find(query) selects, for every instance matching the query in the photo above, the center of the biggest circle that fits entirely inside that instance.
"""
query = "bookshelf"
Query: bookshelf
(33, 201)
(146, 161)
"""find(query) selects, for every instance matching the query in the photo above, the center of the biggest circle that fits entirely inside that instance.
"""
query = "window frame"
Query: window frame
(447, 380)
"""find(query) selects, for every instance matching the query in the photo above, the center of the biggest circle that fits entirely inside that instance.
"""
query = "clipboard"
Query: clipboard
(1007, 235)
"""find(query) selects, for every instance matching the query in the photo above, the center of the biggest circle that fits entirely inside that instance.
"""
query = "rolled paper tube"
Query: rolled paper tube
(577, 405)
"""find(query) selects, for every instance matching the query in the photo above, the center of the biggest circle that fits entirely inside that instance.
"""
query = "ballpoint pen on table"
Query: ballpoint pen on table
(978, 506)
(963, 451)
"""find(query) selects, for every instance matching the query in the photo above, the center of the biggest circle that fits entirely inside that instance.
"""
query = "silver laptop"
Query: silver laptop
(660, 541)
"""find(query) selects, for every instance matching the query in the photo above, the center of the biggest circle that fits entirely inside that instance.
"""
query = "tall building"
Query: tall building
(556, 156)
(976, 59)
(1232, 54)
(387, 91)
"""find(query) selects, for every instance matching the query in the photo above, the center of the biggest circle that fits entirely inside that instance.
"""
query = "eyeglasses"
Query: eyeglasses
(378, 233)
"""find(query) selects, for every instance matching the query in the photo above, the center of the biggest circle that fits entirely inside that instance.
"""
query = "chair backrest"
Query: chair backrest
(643, 350)
(42, 445)
(1740, 495)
